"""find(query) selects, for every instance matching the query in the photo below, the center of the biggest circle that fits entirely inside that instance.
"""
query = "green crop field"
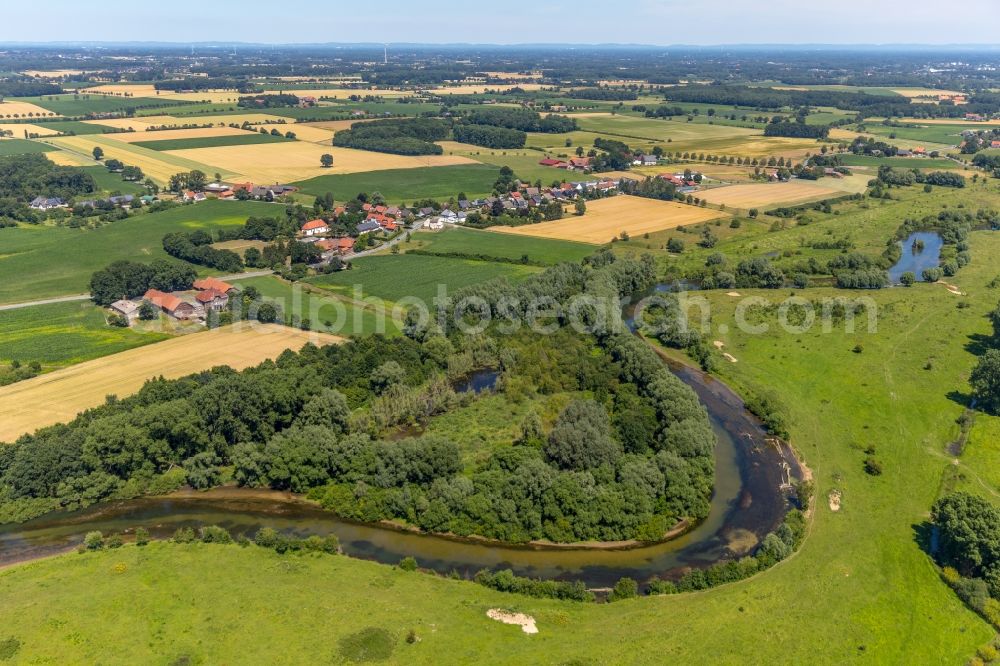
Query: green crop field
(949, 135)
(22, 147)
(327, 311)
(392, 277)
(42, 261)
(503, 246)
(900, 162)
(176, 108)
(407, 185)
(213, 141)
(112, 182)
(81, 105)
(62, 334)
(72, 126)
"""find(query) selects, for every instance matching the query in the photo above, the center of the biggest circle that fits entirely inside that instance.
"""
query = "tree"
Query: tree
(98, 153)
(907, 279)
(985, 381)
(326, 159)
(267, 313)
(386, 375)
(580, 206)
(581, 438)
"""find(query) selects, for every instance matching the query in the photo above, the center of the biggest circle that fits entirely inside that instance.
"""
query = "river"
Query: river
(751, 476)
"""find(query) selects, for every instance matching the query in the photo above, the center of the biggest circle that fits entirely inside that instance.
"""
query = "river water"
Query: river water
(752, 475)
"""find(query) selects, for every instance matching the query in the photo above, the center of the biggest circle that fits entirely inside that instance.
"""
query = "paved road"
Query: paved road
(86, 297)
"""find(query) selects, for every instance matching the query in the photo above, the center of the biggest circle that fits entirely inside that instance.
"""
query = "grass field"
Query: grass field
(61, 395)
(22, 147)
(392, 277)
(899, 162)
(327, 311)
(241, 139)
(405, 185)
(155, 164)
(81, 105)
(108, 181)
(606, 219)
(41, 261)
(61, 334)
(290, 161)
(474, 241)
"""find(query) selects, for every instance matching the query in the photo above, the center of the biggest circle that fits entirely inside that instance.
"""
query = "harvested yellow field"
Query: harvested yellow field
(158, 165)
(10, 109)
(304, 132)
(52, 73)
(61, 395)
(138, 124)
(765, 195)
(167, 135)
(63, 158)
(297, 160)
(132, 89)
(17, 130)
(914, 93)
(481, 88)
(608, 218)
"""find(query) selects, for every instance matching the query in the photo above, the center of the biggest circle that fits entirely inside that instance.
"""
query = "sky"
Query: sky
(659, 22)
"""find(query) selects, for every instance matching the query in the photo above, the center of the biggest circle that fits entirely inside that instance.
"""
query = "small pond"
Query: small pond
(921, 250)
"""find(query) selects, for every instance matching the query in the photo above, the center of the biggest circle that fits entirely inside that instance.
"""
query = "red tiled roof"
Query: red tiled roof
(314, 224)
(345, 243)
(208, 295)
(208, 283)
(168, 302)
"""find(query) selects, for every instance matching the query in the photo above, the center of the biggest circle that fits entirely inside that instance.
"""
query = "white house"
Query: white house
(315, 228)
(434, 224)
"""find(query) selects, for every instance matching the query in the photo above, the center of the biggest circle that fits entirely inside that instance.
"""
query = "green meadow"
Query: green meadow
(44, 261)
(22, 147)
(501, 246)
(61, 334)
(407, 185)
(212, 141)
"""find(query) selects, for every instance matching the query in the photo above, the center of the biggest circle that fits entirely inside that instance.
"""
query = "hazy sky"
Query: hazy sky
(440, 21)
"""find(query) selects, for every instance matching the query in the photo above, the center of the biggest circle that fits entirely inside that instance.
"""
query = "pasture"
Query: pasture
(406, 185)
(607, 219)
(43, 261)
(506, 247)
(60, 334)
(393, 277)
(61, 395)
(290, 161)
(22, 147)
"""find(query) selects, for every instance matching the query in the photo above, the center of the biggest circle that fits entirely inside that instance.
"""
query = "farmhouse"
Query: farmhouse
(315, 228)
(211, 299)
(190, 195)
(434, 225)
(171, 304)
(551, 162)
(367, 227)
(46, 203)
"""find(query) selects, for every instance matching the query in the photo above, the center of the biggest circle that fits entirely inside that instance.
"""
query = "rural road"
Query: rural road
(86, 297)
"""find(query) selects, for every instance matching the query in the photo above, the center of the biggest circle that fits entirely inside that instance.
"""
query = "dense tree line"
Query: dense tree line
(24, 177)
(650, 188)
(28, 89)
(489, 136)
(268, 101)
(197, 84)
(414, 136)
(196, 248)
(129, 279)
(616, 155)
(797, 130)
(524, 120)
(603, 94)
(769, 98)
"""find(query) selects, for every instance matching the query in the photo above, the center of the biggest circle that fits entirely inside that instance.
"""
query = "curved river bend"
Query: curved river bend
(750, 500)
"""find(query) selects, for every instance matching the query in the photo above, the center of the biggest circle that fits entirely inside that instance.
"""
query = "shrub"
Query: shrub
(184, 535)
(114, 541)
(93, 541)
(408, 564)
(141, 536)
(215, 534)
(625, 588)
(872, 466)
(267, 537)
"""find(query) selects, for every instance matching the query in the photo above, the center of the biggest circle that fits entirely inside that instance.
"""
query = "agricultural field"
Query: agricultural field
(60, 334)
(770, 195)
(59, 396)
(899, 162)
(41, 261)
(305, 132)
(81, 105)
(291, 161)
(22, 147)
(407, 185)
(155, 164)
(192, 143)
(393, 277)
(608, 218)
(11, 108)
(143, 135)
(507, 247)
(19, 129)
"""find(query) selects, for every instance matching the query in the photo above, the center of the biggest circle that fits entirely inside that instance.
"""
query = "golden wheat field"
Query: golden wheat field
(606, 219)
(59, 396)
(10, 109)
(307, 133)
(765, 195)
(168, 135)
(64, 158)
(138, 124)
(18, 129)
(158, 165)
(52, 73)
(297, 160)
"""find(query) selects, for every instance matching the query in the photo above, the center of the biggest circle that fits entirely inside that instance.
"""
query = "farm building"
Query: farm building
(211, 299)
(126, 308)
(46, 203)
(171, 304)
(205, 284)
